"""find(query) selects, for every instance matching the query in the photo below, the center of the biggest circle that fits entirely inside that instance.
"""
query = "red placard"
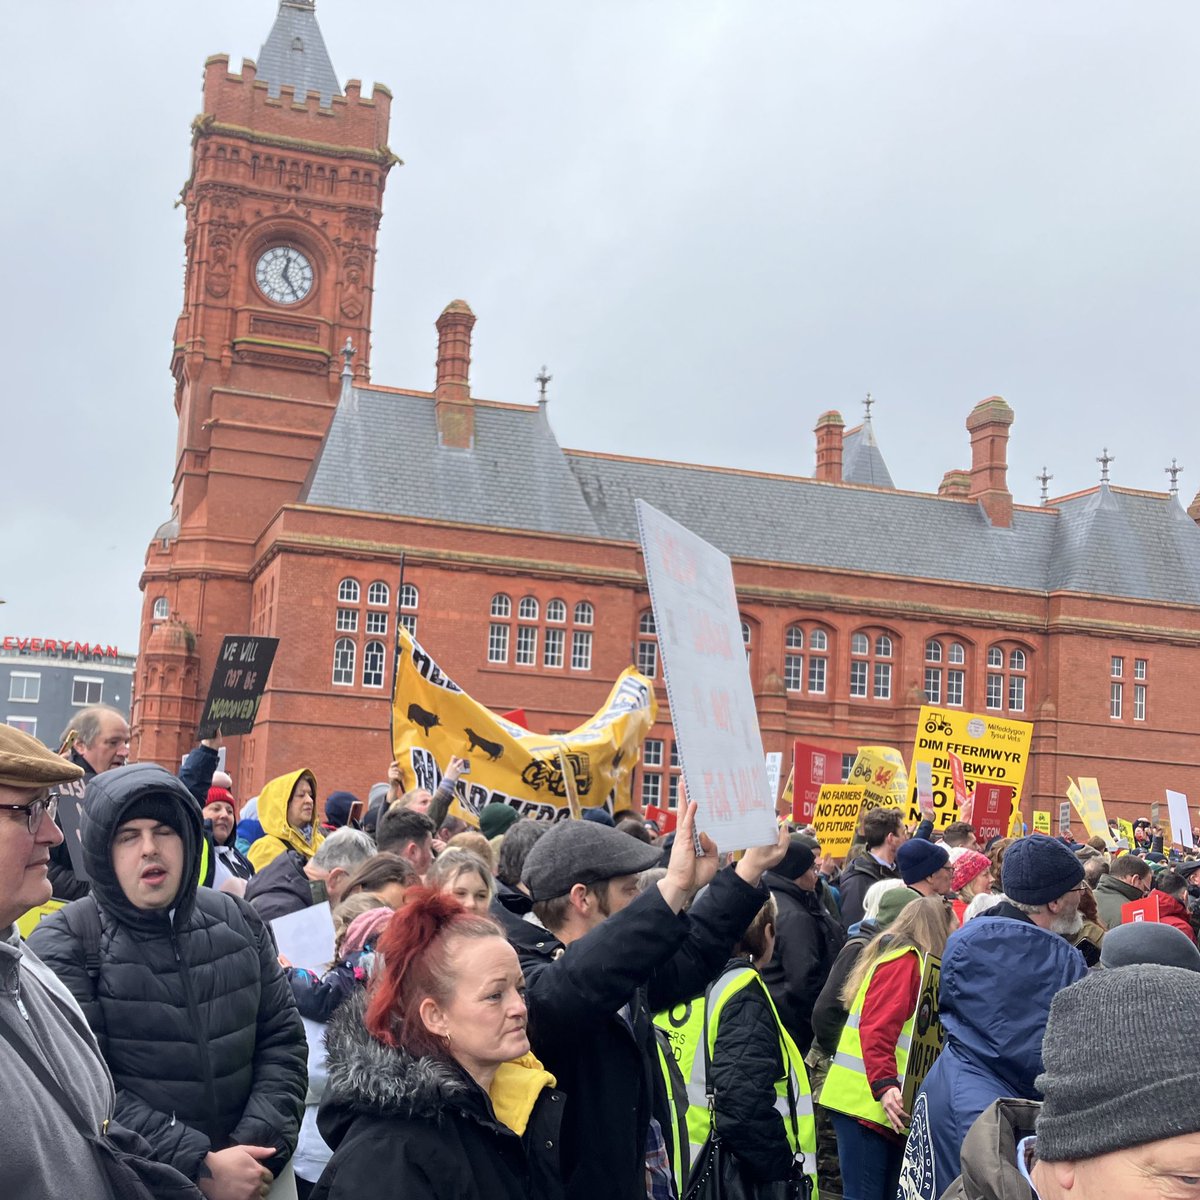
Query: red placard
(665, 818)
(1141, 910)
(811, 766)
(993, 811)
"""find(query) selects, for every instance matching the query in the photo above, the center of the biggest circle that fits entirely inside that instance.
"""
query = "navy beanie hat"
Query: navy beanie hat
(918, 859)
(1038, 869)
(337, 807)
(797, 861)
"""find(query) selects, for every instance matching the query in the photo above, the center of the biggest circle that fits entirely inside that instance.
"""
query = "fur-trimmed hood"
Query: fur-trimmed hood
(365, 1077)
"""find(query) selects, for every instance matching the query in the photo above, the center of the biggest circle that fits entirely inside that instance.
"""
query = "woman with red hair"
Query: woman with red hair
(432, 1090)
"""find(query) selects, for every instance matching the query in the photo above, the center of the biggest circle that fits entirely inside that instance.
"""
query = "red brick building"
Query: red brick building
(300, 484)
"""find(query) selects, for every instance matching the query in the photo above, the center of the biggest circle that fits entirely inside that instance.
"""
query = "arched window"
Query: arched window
(647, 645)
(379, 594)
(795, 638)
(556, 611)
(501, 606)
(794, 675)
(348, 591)
(527, 610)
(584, 613)
(818, 639)
(343, 662)
(870, 673)
(162, 610)
(793, 660)
(945, 686)
(1006, 689)
(373, 660)
(409, 596)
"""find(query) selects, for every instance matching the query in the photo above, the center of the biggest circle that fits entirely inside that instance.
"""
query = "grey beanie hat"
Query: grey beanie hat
(1038, 869)
(583, 852)
(1148, 942)
(1089, 1112)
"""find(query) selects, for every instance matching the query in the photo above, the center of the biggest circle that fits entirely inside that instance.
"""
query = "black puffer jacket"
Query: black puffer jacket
(807, 940)
(191, 1008)
(422, 1129)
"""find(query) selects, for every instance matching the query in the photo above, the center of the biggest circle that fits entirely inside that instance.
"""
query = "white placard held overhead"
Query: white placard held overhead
(708, 682)
(306, 938)
(774, 765)
(1181, 823)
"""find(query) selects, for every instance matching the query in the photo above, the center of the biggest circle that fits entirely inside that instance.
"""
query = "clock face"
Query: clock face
(284, 275)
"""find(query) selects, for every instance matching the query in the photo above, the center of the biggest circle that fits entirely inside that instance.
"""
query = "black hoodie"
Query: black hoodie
(422, 1129)
(191, 1008)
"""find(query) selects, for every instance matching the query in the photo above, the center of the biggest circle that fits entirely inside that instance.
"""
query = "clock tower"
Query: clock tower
(282, 208)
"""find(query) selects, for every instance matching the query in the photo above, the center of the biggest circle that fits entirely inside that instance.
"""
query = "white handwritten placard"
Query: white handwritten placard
(708, 682)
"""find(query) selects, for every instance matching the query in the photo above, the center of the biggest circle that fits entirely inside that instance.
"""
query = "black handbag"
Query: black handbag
(718, 1173)
(120, 1152)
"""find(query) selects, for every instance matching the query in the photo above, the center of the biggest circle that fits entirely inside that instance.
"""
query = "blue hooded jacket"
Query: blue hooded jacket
(998, 978)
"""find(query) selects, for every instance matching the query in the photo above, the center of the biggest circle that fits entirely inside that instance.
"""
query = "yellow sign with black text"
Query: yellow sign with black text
(879, 771)
(540, 775)
(992, 750)
(836, 817)
(927, 1035)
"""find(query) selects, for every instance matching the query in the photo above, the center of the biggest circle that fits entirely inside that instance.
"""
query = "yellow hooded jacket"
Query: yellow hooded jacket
(278, 835)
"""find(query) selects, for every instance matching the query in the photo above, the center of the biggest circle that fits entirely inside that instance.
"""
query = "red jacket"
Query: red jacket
(890, 1001)
(1172, 912)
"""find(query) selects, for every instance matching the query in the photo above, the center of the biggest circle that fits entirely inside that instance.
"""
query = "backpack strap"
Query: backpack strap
(83, 920)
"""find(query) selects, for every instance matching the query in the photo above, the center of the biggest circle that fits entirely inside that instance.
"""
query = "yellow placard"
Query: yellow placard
(1126, 828)
(1041, 822)
(1085, 796)
(433, 719)
(879, 771)
(785, 801)
(992, 751)
(927, 1035)
(28, 923)
(836, 817)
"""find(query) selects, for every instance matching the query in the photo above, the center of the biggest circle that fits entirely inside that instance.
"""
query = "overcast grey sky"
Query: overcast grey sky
(712, 220)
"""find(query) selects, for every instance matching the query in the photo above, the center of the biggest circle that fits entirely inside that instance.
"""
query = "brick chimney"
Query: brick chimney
(988, 425)
(453, 404)
(829, 446)
(956, 483)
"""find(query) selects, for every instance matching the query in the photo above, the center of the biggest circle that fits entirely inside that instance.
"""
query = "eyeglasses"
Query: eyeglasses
(34, 811)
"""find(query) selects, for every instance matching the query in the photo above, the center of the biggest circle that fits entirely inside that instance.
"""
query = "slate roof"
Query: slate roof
(862, 461)
(294, 54)
(381, 455)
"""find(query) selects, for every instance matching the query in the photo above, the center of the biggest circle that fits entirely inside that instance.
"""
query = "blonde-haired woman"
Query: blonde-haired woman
(862, 1089)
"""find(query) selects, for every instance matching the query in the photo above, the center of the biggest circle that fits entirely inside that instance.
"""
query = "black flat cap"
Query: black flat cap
(583, 852)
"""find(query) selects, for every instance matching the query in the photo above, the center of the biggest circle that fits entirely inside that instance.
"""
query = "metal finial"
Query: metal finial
(1044, 479)
(867, 405)
(542, 381)
(347, 355)
(1174, 470)
(1104, 460)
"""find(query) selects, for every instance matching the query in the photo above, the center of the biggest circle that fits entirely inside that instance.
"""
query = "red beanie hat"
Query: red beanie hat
(970, 865)
(220, 795)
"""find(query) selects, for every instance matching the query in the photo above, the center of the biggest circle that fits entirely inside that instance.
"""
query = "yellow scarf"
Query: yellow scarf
(515, 1090)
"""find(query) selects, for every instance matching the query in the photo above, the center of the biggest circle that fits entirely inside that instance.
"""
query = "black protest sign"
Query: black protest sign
(238, 684)
(70, 808)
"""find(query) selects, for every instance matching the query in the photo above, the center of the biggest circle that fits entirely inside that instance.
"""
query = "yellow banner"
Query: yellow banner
(539, 775)
(28, 923)
(1041, 822)
(1126, 828)
(836, 817)
(992, 751)
(1085, 796)
(879, 771)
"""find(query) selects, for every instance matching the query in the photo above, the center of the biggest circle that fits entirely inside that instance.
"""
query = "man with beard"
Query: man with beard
(1042, 883)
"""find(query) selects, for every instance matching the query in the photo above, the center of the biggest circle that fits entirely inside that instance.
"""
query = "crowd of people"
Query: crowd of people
(583, 1009)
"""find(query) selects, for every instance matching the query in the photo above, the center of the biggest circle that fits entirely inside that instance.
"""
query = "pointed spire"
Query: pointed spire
(294, 55)
(542, 381)
(1044, 479)
(1174, 470)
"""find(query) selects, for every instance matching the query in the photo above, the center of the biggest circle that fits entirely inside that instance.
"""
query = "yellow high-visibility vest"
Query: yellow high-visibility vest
(846, 1088)
(684, 1027)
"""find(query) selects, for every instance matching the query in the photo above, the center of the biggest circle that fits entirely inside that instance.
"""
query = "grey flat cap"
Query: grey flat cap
(583, 852)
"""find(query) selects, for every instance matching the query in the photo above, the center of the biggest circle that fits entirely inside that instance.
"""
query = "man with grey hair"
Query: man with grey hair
(1042, 883)
(290, 882)
(99, 741)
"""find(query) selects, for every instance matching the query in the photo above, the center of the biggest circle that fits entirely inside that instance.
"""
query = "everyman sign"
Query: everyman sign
(992, 751)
